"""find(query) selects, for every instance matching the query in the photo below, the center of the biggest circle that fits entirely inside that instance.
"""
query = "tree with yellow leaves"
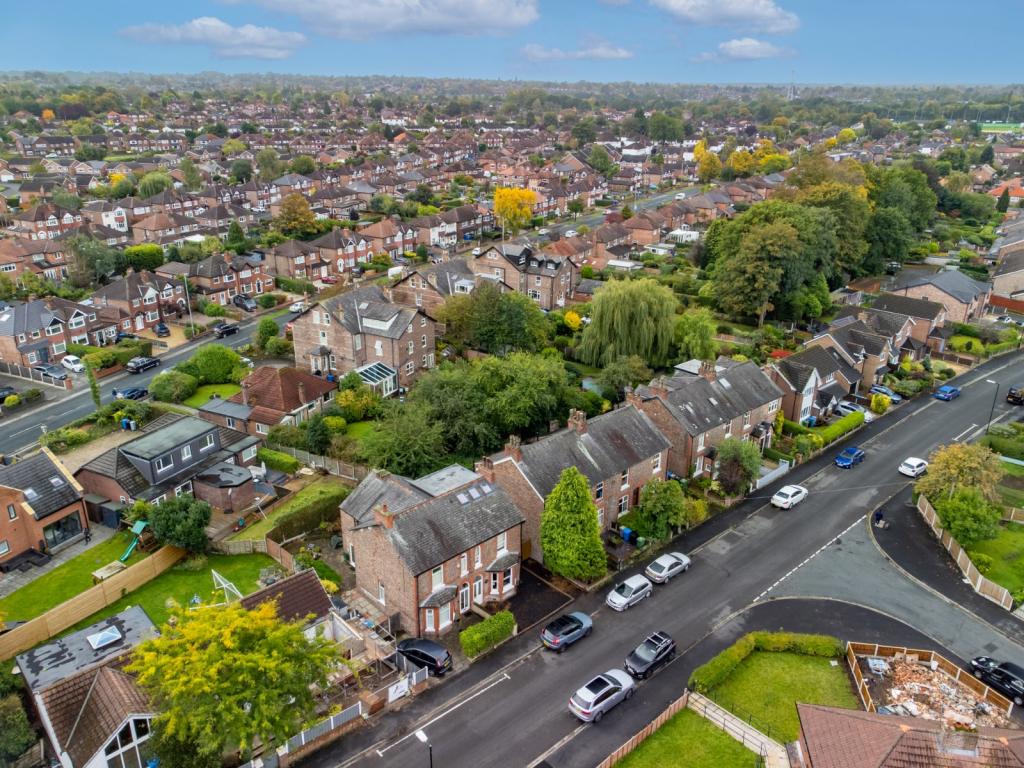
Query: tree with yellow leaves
(742, 162)
(224, 675)
(47, 115)
(513, 207)
(709, 167)
(846, 135)
(699, 150)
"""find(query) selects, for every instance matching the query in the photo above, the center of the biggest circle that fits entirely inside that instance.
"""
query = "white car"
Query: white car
(298, 306)
(570, 233)
(629, 592)
(845, 408)
(247, 361)
(73, 363)
(789, 496)
(543, 231)
(667, 566)
(913, 467)
(477, 251)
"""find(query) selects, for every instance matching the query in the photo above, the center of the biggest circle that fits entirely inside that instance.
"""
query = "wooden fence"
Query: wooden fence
(638, 738)
(344, 470)
(85, 604)
(984, 587)
(1013, 515)
(264, 546)
(893, 652)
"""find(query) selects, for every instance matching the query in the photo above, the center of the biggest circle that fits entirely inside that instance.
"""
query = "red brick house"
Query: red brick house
(221, 277)
(45, 222)
(389, 236)
(428, 287)
(145, 299)
(344, 249)
(547, 279)
(298, 260)
(38, 331)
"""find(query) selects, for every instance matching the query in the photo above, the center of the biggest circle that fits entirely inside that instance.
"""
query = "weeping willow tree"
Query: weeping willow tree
(630, 317)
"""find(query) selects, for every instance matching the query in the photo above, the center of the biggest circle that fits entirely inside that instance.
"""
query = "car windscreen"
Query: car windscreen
(624, 589)
(657, 566)
(646, 651)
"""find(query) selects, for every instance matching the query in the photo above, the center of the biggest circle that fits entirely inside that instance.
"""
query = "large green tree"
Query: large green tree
(695, 335)
(296, 219)
(145, 256)
(569, 532)
(662, 507)
(213, 364)
(193, 178)
(961, 465)
(888, 236)
(155, 182)
(91, 261)
(622, 373)
(406, 441)
(181, 521)
(630, 317)
(906, 189)
(852, 211)
(968, 516)
(16, 735)
(738, 464)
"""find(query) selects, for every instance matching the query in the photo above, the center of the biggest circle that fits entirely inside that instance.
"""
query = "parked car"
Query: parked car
(247, 361)
(53, 371)
(1007, 678)
(140, 364)
(913, 467)
(593, 700)
(1004, 319)
(1015, 395)
(562, 632)
(130, 393)
(244, 301)
(6, 392)
(543, 231)
(789, 496)
(477, 251)
(850, 457)
(225, 329)
(298, 306)
(122, 335)
(73, 363)
(629, 592)
(878, 389)
(329, 279)
(665, 567)
(947, 392)
(161, 330)
(570, 233)
(846, 407)
(656, 650)
(427, 653)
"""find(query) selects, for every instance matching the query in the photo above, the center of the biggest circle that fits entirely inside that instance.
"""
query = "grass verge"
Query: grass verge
(1007, 553)
(689, 734)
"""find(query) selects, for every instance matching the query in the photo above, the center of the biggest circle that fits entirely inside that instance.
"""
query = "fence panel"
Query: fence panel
(638, 738)
(342, 469)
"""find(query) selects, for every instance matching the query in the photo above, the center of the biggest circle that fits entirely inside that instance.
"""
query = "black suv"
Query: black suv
(656, 650)
(427, 653)
(1007, 678)
(140, 364)
(224, 329)
(248, 303)
(1015, 395)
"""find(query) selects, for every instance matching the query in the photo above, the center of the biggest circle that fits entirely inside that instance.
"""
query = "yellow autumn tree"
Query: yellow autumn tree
(742, 162)
(513, 207)
(709, 167)
(846, 135)
(764, 148)
(699, 150)
(572, 320)
(47, 115)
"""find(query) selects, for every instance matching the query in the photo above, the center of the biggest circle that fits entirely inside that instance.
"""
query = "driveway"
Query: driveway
(535, 599)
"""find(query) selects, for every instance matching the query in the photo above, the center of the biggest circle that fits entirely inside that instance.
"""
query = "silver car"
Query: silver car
(602, 693)
(629, 592)
(667, 566)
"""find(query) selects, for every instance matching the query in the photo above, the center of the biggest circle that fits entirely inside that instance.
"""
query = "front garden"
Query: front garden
(102, 422)
(689, 734)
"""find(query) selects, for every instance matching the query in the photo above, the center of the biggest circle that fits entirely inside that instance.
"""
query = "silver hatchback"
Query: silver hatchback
(602, 693)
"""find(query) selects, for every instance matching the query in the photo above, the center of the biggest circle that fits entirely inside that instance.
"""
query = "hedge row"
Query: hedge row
(295, 286)
(828, 434)
(771, 453)
(1006, 446)
(709, 676)
(481, 637)
(322, 510)
(107, 357)
(1003, 346)
(282, 462)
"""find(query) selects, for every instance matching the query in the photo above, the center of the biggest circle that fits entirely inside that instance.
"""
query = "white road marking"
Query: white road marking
(810, 557)
(558, 745)
(961, 435)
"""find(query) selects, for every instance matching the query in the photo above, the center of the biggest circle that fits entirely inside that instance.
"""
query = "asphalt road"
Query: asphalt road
(511, 710)
(22, 431)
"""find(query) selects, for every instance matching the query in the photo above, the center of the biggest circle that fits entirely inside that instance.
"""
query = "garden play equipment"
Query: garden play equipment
(137, 530)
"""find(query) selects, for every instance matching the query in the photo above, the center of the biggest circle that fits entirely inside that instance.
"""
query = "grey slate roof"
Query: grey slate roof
(1012, 262)
(441, 597)
(156, 443)
(445, 480)
(354, 308)
(955, 283)
(50, 490)
(380, 487)
(908, 305)
(877, 319)
(223, 407)
(612, 443)
(797, 367)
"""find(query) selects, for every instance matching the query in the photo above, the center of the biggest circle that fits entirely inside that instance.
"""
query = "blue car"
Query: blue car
(947, 392)
(850, 457)
(566, 630)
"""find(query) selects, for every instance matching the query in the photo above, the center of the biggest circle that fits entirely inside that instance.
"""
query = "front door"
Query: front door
(478, 589)
(464, 599)
(140, 322)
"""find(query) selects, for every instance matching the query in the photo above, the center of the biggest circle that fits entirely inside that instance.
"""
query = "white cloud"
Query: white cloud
(223, 39)
(760, 15)
(745, 49)
(359, 19)
(595, 49)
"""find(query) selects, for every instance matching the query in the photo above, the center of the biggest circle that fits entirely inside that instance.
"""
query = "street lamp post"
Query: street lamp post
(430, 747)
(992, 412)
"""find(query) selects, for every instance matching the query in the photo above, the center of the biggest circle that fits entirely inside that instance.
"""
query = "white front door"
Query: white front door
(446, 616)
(464, 598)
(478, 589)
(140, 322)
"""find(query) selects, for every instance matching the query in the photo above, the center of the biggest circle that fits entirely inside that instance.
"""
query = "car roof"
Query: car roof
(635, 580)
(789, 488)
(422, 644)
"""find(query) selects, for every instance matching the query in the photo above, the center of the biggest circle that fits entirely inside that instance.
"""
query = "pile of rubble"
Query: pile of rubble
(916, 690)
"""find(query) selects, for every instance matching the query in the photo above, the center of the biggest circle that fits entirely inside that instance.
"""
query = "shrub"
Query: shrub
(210, 309)
(31, 395)
(12, 401)
(806, 445)
(982, 561)
(880, 403)
(946, 373)
(173, 386)
(267, 301)
(774, 455)
(335, 423)
(324, 572)
(482, 637)
(793, 428)
(64, 439)
(1006, 446)
(910, 387)
(712, 674)
(837, 429)
(278, 347)
(295, 286)
(281, 462)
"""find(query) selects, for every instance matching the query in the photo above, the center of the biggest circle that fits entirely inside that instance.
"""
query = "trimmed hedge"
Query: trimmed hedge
(1005, 445)
(1003, 346)
(837, 429)
(712, 674)
(322, 510)
(295, 286)
(794, 428)
(482, 637)
(771, 453)
(282, 462)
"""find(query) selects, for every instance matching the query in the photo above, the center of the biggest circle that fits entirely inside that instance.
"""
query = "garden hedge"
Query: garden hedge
(1009, 447)
(712, 674)
(282, 462)
(323, 510)
(837, 429)
(295, 286)
(481, 637)
(774, 455)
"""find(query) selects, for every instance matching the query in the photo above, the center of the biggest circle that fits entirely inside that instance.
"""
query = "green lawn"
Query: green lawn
(205, 392)
(1014, 470)
(181, 584)
(767, 686)
(958, 343)
(689, 734)
(279, 312)
(357, 430)
(1007, 553)
(312, 493)
(66, 580)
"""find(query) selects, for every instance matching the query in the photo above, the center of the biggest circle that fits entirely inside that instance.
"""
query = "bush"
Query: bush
(880, 403)
(982, 561)
(12, 401)
(295, 286)
(335, 424)
(1006, 446)
(281, 462)
(946, 373)
(712, 674)
(482, 637)
(278, 347)
(911, 387)
(211, 309)
(173, 386)
(774, 455)
(837, 429)
(793, 428)
(807, 445)
(16, 735)
(64, 439)
(267, 301)
(31, 395)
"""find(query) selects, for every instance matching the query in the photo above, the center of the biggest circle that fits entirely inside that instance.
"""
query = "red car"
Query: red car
(329, 280)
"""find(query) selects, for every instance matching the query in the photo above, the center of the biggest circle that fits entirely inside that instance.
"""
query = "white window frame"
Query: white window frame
(381, 593)
(463, 564)
(436, 578)
(624, 479)
(623, 504)
(656, 464)
(186, 452)
(502, 542)
(478, 556)
(158, 463)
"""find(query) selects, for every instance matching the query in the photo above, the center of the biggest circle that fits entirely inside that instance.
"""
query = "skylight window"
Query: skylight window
(30, 494)
(56, 481)
(104, 637)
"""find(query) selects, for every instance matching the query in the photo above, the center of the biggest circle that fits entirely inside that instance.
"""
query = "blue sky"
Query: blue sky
(811, 41)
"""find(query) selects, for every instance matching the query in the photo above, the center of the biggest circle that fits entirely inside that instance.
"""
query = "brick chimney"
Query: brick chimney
(513, 449)
(658, 387)
(245, 392)
(485, 468)
(302, 392)
(578, 421)
(383, 517)
(632, 398)
(707, 370)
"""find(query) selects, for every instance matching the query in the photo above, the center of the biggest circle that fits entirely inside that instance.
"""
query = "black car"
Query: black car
(140, 364)
(53, 371)
(656, 650)
(130, 393)
(248, 303)
(427, 653)
(6, 392)
(1015, 395)
(224, 329)
(1007, 678)
(161, 330)
(122, 335)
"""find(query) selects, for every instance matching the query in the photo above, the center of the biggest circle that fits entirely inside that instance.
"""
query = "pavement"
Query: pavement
(753, 555)
(15, 580)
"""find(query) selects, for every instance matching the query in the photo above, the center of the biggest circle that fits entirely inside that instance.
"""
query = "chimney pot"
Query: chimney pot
(707, 370)
(383, 516)
(578, 421)
(513, 447)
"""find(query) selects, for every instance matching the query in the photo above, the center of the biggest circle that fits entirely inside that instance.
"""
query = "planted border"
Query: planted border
(484, 636)
(712, 674)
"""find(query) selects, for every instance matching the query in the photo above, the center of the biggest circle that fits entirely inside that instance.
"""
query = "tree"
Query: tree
(181, 521)
(695, 512)
(570, 536)
(852, 212)
(181, 752)
(503, 322)
(742, 162)
(622, 373)
(889, 237)
(269, 164)
(1003, 204)
(405, 441)
(212, 364)
(747, 282)
(422, 194)
(961, 465)
(958, 182)
(241, 171)
(94, 387)
(296, 218)
(155, 182)
(65, 199)
(91, 261)
(906, 189)
(193, 178)
(16, 735)
(513, 208)
(173, 386)
(695, 335)
(630, 317)
(968, 516)
(235, 236)
(846, 135)
(585, 132)
(738, 464)
(575, 207)
(265, 331)
(256, 672)
(303, 164)
(601, 161)
(318, 436)
(664, 127)
(662, 507)
(145, 256)
(709, 167)
(233, 147)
